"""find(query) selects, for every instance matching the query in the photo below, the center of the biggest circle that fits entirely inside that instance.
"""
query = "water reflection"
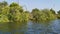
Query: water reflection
(13, 28)
(37, 28)
(56, 26)
(52, 27)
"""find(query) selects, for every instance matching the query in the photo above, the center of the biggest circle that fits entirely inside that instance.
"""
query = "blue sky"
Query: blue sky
(40, 4)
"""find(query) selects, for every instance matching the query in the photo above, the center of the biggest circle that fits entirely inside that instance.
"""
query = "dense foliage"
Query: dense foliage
(43, 15)
(12, 13)
(58, 15)
(15, 13)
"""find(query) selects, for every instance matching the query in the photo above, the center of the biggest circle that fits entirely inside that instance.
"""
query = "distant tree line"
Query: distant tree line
(15, 13)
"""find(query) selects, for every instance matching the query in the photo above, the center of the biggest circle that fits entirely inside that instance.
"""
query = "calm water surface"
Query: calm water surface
(52, 27)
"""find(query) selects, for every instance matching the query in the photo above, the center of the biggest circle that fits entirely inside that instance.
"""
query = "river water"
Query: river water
(52, 27)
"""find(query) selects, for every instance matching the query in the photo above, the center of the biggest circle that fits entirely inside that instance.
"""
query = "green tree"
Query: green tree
(49, 14)
(43, 15)
(14, 12)
(58, 15)
(52, 11)
(16, 6)
(58, 12)
(3, 4)
(36, 14)
(17, 14)
(4, 14)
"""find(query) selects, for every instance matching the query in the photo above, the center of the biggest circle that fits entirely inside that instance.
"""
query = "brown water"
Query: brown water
(52, 27)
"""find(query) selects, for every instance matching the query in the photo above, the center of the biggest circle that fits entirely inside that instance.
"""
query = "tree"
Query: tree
(14, 12)
(49, 14)
(4, 14)
(58, 12)
(52, 11)
(16, 6)
(35, 10)
(36, 14)
(17, 14)
(58, 15)
(43, 15)
(4, 3)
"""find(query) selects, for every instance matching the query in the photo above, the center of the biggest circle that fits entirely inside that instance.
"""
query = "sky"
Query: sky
(40, 4)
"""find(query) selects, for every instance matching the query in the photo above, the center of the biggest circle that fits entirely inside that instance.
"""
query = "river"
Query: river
(52, 27)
